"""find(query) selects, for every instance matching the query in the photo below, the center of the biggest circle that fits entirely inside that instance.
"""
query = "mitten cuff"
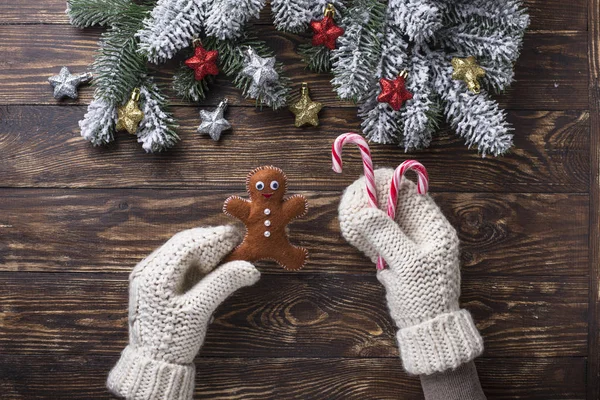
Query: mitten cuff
(444, 342)
(138, 377)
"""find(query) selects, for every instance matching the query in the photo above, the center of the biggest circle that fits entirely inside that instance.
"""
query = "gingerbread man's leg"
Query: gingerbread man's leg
(292, 257)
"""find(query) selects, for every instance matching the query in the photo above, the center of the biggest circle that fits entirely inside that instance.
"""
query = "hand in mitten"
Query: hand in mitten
(167, 323)
(422, 280)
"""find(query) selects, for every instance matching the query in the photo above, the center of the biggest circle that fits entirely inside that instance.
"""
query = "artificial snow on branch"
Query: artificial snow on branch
(98, 124)
(171, 26)
(157, 130)
(423, 37)
(227, 19)
(359, 49)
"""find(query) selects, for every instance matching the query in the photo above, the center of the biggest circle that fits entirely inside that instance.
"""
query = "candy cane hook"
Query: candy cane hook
(422, 183)
(336, 158)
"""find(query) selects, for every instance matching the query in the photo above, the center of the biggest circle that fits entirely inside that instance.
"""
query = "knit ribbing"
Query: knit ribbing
(444, 342)
(138, 377)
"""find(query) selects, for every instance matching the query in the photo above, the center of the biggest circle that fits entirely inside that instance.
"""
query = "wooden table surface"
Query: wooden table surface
(75, 219)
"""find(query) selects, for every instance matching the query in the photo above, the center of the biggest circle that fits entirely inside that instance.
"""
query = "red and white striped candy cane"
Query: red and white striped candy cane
(422, 183)
(336, 158)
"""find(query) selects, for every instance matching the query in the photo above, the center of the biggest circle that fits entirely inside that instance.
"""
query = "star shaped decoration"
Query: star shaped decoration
(306, 110)
(213, 122)
(326, 31)
(394, 91)
(467, 70)
(261, 70)
(130, 115)
(65, 84)
(203, 62)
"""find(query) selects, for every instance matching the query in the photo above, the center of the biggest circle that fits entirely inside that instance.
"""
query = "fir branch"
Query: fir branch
(394, 47)
(187, 87)
(86, 13)
(381, 123)
(98, 124)
(227, 18)
(418, 19)
(418, 112)
(157, 129)
(498, 75)
(171, 26)
(118, 67)
(359, 49)
(475, 117)
(482, 42)
(508, 15)
(316, 58)
(291, 15)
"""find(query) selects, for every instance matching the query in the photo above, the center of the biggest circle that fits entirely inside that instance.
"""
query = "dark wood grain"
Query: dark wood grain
(293, 315)
(593, 367)
(42, 148)
(111, 230)
(83, 377)
(545, 14)
(75, 219)
(551, 73)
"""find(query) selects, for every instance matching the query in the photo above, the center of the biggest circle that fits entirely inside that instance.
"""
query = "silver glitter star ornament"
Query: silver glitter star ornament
(261, 70)
(213, 122)
(65, 84)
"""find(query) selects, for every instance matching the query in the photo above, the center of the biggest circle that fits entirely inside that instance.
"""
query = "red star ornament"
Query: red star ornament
(326, 32)
(203, 62)
(394, 92)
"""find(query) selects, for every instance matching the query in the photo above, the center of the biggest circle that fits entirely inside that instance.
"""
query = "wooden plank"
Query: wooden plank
(593, 366)
(111, 230)
(82, 377)
(545, 14)
(42, 148)
(551, 73)
(312, 315)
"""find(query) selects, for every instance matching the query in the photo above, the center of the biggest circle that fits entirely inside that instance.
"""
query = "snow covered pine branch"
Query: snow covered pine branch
(423, 37)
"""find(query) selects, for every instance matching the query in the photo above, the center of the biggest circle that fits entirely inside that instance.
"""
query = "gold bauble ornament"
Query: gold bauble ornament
(306, 110)
(467, 70)
(130, 114)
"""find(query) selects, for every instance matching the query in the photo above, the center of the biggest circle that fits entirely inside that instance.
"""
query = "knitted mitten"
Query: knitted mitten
(167, 324)
(422, 280)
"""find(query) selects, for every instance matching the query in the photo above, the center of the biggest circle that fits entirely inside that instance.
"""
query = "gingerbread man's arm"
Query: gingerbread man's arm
(237, 207)
(294, 207)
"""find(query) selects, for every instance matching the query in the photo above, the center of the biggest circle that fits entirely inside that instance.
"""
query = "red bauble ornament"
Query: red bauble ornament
(203, 62)
(394, 92)
(326, 32)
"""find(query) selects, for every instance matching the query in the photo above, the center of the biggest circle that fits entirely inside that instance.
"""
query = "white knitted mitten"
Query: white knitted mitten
(167, 325)
(422, 280)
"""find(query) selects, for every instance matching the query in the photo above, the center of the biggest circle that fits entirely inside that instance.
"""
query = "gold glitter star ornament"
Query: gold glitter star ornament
(306, 110)
(130, 115)
(467, 70)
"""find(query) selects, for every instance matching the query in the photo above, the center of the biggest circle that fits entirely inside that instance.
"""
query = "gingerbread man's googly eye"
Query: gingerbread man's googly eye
(274, 185)
(260, 185)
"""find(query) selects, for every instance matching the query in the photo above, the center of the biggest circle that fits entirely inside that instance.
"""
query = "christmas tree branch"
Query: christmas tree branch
(86, 13)
(359, 49)
(187, 87)
(171, 26)
(227, 19)
(157, 129)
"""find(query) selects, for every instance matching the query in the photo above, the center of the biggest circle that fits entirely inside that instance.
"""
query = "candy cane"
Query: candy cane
(336, 158)
(422, 183)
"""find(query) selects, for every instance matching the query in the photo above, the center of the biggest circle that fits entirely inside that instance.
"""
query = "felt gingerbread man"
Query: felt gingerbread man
(266, 215)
